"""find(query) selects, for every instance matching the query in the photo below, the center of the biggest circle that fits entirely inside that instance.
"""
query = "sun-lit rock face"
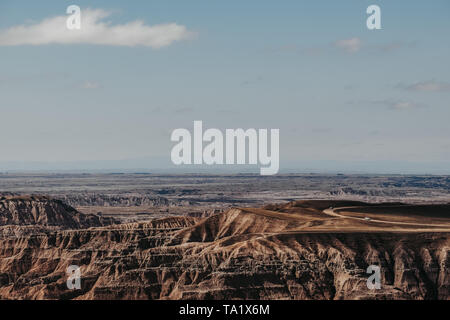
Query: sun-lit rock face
(41, 211)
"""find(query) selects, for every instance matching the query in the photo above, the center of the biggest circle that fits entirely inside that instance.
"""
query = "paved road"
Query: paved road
(331, 212)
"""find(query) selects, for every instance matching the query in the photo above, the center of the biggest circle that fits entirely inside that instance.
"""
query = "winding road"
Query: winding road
(331, 212)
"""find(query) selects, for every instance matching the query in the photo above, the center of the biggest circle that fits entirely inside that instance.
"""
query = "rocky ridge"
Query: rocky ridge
(40, 213)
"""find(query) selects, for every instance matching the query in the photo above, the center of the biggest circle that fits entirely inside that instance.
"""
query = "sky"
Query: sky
(344, 97)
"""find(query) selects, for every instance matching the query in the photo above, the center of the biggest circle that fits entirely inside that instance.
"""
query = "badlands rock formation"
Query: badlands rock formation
(290, 251)
(30, 214)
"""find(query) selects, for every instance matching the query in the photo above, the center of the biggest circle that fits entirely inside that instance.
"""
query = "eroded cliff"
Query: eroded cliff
(238, 254)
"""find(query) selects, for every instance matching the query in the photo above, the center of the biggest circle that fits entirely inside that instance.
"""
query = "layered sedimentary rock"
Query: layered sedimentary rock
(280, 252)
(35, 214)
(113, 200)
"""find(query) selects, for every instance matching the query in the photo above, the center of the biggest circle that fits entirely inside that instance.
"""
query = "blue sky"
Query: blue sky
(338, 92)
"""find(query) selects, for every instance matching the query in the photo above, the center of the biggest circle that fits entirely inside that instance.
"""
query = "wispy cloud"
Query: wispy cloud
(90, 85)
(184, 110)
(252, 81)
(395, 45)
(351, 45)
(427, 86)
(399, 104)
(94, 30)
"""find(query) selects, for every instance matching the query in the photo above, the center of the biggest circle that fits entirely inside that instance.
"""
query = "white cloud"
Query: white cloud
(349, 45)
(395, 45)
(94, 30)
(429, 86)
(402, 105)
(91, 85)
(399, 104)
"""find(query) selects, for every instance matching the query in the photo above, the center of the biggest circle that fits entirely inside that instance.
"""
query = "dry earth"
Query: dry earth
(295, 250)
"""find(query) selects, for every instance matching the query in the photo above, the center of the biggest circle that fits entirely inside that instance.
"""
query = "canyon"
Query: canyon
(289, 250)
